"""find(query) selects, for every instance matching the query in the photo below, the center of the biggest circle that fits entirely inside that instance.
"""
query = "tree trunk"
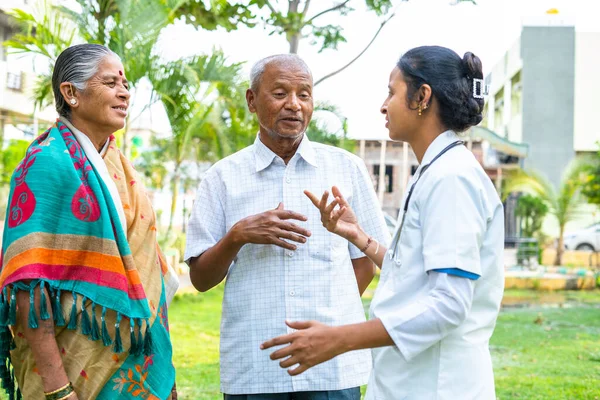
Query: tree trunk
(294, 41)
(293, 38)
(560, 246)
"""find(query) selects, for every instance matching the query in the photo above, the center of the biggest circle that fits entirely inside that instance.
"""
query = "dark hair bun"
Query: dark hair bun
(472, 65)
(451, 81)
(474, 107)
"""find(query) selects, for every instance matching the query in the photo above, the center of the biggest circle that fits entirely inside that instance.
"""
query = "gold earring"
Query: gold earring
(420, 110)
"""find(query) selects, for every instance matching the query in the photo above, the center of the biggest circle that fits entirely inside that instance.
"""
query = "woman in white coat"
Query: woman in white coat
(441, 282)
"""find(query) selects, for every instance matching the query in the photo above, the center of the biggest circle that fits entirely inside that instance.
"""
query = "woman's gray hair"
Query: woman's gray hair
(286, 60)
(76, 65)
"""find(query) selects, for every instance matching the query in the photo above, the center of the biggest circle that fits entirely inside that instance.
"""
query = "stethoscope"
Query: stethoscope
(394, 245)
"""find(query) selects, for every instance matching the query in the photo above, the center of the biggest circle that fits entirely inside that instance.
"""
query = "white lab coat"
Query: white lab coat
(441, 324)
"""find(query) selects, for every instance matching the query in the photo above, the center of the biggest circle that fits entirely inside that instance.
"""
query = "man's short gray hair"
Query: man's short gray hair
(286, 60)
(77, 64)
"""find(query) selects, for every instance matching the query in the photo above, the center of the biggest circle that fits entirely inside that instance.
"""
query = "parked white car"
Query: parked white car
(587, 239)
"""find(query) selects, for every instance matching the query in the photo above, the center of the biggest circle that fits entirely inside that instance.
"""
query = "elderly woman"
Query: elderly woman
(83, 306)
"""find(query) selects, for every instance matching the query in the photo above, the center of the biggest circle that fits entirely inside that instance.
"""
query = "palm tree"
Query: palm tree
(563, 202)
(188, 90)
(45, 33)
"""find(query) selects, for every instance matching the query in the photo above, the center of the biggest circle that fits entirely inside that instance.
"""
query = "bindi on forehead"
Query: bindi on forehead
(120, 72)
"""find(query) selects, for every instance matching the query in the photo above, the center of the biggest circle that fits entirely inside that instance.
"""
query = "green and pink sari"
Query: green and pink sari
(106, 281)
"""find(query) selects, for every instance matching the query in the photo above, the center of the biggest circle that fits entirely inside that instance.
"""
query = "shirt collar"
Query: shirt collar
(265, 156)
(307, 151)
(439, 143)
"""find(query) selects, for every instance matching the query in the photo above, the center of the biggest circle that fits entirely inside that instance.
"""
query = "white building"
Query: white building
(543, 92)
(18, 117)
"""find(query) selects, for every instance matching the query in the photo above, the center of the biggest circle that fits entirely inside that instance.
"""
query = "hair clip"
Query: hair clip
(479, 88)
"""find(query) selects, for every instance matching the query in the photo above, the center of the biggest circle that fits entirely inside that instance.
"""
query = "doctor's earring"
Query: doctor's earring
(73, 102)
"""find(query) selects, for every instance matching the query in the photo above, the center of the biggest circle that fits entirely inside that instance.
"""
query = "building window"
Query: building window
(14, 81)
(389, 178)
(516, 100)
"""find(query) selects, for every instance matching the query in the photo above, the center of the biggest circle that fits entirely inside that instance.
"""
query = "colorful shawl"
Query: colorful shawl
(63, 233)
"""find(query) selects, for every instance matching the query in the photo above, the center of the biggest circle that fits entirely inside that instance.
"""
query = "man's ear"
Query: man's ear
(250, 98)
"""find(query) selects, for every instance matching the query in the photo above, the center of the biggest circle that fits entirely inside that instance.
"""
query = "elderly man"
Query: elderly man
(252, 223)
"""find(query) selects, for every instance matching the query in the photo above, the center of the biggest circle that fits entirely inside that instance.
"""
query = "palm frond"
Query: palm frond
(564, 202)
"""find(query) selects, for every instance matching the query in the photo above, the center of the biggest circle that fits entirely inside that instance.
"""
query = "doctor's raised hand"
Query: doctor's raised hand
(339, 218)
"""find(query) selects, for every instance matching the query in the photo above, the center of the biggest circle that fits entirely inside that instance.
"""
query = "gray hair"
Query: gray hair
(76, 65)
(286, 60)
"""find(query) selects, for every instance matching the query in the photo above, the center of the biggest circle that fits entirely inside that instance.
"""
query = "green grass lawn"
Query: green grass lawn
(547, 353)
(539, 352)
(194, 324)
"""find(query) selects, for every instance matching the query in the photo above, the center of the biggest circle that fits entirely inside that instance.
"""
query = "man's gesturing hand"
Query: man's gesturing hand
(271, 227)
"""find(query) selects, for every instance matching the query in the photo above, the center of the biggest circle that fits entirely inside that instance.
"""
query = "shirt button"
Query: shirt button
(288, 180)
(292, 293)
(290, 254)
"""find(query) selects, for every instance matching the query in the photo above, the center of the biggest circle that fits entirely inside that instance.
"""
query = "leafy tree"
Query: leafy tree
(10, 157)
(563, 203)
(532, 211)
(187, 89)
(45, 33)
(318, 131)
(128, 27)
(213, 14)
(591, 184)
(297, 20)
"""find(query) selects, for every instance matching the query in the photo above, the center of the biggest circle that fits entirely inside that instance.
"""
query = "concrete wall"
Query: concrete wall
(499, 78)
(587, 87)
(548, 77)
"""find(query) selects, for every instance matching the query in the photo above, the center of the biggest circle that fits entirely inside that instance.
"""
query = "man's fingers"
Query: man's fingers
(288, 226)
(288, 362)
(283, 234)
(276, 341)
(282, 243)
(298, 370)
(314, 199)
(289, 214)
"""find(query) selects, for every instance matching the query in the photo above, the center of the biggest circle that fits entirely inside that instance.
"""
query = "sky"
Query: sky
(487, 29)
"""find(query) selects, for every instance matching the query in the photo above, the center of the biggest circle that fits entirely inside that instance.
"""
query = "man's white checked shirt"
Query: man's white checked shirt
(267, 285)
